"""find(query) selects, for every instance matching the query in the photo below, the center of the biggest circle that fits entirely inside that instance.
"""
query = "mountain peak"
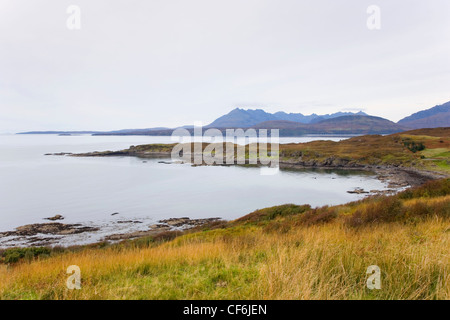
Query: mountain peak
(241, 118)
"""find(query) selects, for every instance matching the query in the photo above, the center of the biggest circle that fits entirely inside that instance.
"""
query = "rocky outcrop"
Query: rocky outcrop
(57, 217)
(330, 162)
(358, 191)
(163, 226)
(53, 228)
(187, 222)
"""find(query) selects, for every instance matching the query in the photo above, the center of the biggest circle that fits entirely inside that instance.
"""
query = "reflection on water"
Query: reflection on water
(339, 172)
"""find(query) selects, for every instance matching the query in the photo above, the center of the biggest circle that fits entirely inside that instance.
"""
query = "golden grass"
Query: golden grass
(326, 261)
(286, 252)
(283, 252)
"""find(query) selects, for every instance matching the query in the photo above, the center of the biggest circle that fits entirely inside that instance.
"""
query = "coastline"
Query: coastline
(408, 234)
(49, 234)
(397, 176)
(386, 157)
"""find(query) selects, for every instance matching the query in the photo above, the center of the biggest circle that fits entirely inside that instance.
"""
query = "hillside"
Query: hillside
(435, 121)
(438, 116)
(336, 115)
(424, 149)
(353, 124)
(360, 124)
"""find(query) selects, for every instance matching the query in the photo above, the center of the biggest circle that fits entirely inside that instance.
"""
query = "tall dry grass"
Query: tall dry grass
(283, 252)
(326, 261)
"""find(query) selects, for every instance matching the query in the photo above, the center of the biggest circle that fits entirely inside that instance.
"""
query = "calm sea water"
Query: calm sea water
(89, 190)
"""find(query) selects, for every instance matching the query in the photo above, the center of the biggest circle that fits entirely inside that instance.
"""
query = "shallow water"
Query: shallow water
(89, 190)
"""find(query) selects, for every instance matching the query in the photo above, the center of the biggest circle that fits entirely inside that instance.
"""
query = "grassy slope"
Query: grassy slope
(396, 149)
(284, 252)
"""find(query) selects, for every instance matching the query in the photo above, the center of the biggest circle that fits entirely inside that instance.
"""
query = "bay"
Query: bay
(89, 190)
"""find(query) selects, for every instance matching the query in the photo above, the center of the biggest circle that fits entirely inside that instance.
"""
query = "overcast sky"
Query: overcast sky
(147, 63)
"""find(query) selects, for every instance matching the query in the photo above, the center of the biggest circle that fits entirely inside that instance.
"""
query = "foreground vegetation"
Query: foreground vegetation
(283, 252)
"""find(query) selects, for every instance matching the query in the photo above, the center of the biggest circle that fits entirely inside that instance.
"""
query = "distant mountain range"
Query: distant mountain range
(297, 124)
(61, 132)
(240, 118)
(438, 116)
(349, 124)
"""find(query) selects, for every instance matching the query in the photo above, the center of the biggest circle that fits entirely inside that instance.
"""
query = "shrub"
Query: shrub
(273, 212)
(419, 209)
(424, 208)
(386, 209)
(277, 227)
(356, 219)
(413, 146)
(430, 189)
(320, 215)
(14, 255)
(212, 225)
(166, 236)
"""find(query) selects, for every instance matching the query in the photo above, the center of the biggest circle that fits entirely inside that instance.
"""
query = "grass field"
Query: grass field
(426, 149)
(283, 252)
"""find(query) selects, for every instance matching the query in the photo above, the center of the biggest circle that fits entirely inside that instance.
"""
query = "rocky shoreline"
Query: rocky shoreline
(166, 225)
(51, 233)
(395, 176)
(42, 234)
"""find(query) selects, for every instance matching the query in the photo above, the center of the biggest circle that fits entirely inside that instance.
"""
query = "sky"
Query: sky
(153, 63)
